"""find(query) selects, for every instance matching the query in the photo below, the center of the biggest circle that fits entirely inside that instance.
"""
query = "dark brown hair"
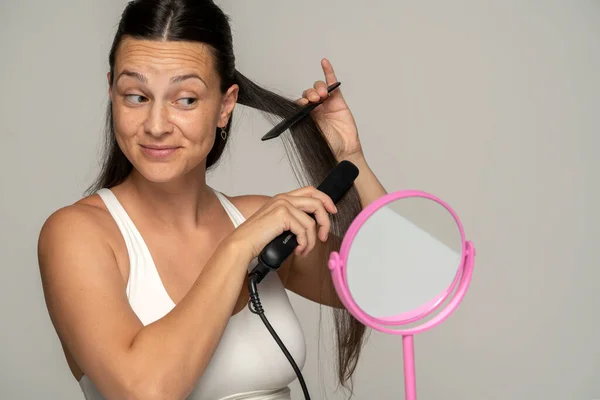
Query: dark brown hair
(308, 151)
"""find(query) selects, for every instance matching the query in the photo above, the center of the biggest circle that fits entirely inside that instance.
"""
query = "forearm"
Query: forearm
(172, 353)
(367, 185)
(305, 275)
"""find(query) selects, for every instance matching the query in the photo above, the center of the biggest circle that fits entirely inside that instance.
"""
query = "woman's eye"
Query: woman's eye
(136, 99)
(187, 101)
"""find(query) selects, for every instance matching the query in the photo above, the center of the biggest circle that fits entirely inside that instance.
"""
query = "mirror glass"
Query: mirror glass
(405, 255)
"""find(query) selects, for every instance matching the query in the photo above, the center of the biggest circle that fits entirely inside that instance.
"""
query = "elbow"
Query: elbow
(155, 377)
(156, 388)
(144, 391)
(129, 388)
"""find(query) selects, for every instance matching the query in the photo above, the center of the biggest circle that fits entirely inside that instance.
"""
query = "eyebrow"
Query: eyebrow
(175, 79)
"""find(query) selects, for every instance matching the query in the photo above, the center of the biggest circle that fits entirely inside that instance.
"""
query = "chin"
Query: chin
(169, 169)
(160, 173)
(166, 172)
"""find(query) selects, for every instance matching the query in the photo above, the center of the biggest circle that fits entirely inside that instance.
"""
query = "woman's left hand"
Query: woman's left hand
(333, 116)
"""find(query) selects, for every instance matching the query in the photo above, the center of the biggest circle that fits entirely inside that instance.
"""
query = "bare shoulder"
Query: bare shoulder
(85, 217)
(86, 224)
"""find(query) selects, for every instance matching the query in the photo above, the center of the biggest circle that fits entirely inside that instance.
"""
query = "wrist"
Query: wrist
(236, 248)
(357, 158)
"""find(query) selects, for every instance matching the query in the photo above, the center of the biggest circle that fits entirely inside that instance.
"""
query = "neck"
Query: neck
(183, 204)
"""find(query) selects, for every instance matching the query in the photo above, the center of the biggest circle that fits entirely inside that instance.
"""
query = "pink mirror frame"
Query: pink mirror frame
(337, 266)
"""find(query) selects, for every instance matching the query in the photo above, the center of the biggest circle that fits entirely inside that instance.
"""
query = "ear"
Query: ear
(228, 104)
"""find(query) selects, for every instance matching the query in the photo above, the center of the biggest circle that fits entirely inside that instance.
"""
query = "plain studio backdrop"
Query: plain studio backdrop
(492, 106)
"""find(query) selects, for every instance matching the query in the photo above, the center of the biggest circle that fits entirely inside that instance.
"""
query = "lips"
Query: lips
(158, 152)
(156, 147)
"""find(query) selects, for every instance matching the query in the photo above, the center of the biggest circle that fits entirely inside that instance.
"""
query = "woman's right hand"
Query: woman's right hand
(287, 212)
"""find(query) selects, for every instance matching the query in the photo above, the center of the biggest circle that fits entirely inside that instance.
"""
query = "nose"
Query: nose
(157, 123)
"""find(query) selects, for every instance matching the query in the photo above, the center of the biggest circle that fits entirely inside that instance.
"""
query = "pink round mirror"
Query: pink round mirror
(403, 267)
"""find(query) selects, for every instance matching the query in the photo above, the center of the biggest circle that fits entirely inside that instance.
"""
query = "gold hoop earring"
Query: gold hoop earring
(223, 134)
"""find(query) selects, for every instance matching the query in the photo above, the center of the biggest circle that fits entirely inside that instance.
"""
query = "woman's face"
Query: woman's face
(167, 106)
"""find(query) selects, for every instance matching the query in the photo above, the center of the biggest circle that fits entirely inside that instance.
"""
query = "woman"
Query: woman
(144, 279)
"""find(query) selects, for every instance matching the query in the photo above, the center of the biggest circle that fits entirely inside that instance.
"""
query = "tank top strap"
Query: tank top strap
(133, 239)
(234, 214)
(145, 290)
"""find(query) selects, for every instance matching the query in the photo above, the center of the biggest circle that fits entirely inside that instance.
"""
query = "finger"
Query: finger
(310, 229)
(321, 88)
(310, 191)
(316, 207)
(302, 237)
(302, 101)
(287, 212)
(311, 94)
(330, 77)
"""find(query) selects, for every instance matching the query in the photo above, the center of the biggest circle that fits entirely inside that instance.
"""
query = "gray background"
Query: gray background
(492, 106)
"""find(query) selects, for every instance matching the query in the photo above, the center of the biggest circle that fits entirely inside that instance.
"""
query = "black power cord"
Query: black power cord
(335, 185)
(256, 308)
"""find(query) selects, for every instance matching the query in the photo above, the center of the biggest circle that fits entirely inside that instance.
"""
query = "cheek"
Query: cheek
(127, 122)
(197, 127)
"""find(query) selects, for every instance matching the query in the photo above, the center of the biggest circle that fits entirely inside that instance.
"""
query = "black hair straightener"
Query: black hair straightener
(335, 185)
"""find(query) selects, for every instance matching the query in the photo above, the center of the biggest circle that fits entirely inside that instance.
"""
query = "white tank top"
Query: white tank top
(247, 364)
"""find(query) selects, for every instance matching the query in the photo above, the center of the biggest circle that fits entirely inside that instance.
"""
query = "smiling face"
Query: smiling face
(167, 106)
